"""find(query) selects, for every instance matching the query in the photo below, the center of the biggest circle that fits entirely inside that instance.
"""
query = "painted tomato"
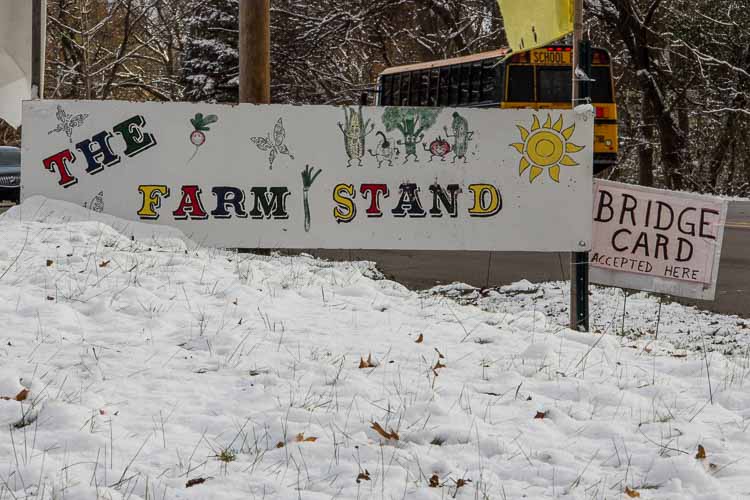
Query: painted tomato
(440, 147)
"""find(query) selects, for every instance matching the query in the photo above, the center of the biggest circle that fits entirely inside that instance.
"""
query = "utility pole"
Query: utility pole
(38, 32)
(579, 262)
(255, 51)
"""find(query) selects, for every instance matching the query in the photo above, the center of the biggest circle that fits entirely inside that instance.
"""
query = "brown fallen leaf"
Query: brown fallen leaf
(462, 482)
(195, 482)
(366, 364)
(21, 396)
(280, 444)
(701, 452)
(300, 438)
(438, 365)
(50, 262)
(540, 415)
(363, 476)
(420, 339)
(434, 481)
(632, 493)
(105, 263)
(440, 354)
(388, 435)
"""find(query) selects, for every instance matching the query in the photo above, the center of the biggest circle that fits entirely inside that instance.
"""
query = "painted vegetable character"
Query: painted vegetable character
(97, 203)
(67, 122)
(276, 146)
(461, 137)
(385, 151)
(411, 122)
(439, 147)
(201, 125)
(308, 177)
(355, 131)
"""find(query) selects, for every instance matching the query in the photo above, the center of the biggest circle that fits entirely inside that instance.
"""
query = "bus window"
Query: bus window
(444, 86)
(475, 89)
(554, 84)
(492, 81)
(453, 95)
(416, 88)
(520, 83)
(601, 90)
(386, 91)
(395, 90)
(424, 89)
(405, 80)
(434, 86)
(464, 82)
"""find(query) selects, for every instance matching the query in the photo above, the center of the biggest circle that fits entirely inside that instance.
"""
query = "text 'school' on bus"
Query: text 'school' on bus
(537, 79)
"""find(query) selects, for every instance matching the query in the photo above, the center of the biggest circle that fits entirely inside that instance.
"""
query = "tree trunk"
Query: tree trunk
(646, 148)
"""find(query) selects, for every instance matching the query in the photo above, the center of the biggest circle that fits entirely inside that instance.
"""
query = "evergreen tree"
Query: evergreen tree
(210, 66)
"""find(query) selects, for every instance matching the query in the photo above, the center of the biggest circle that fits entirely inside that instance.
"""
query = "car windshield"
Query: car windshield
(10, 157)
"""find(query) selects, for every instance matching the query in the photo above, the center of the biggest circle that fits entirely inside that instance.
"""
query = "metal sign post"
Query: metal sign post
(579, 262)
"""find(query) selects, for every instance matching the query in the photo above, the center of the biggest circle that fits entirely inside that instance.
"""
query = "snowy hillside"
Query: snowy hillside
(146, 368)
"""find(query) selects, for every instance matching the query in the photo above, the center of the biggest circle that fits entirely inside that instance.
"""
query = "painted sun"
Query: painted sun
(546, 147)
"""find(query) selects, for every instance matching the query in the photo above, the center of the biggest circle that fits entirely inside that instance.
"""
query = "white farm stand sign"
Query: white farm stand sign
(658, 241)
(279, 176)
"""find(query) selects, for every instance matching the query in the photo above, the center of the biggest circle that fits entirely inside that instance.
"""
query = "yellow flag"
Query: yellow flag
(534, 23)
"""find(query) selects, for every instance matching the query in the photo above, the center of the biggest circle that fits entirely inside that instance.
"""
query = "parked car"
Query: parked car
(10, 173)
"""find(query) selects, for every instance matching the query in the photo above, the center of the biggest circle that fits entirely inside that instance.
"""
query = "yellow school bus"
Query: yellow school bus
(536, 79)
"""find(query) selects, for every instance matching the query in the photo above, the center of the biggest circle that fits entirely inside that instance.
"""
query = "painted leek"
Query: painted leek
(308, 177)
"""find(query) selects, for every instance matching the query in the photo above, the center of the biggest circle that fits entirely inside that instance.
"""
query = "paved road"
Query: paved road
(424, 269)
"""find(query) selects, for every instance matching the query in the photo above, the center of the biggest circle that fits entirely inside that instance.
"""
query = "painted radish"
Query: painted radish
(201, 125)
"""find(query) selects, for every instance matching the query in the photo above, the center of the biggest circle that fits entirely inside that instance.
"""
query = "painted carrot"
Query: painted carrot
(308, 177)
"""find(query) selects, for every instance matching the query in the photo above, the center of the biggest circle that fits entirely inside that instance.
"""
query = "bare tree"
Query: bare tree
(688, 64)
(106, 49)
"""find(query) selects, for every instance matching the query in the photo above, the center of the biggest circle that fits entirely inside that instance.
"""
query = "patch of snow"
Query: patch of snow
(159, 369)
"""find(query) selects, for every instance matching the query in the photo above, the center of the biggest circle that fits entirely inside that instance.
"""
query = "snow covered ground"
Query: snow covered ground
(148, 368)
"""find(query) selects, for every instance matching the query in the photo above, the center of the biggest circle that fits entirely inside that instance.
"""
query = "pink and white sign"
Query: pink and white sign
(673, 238)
